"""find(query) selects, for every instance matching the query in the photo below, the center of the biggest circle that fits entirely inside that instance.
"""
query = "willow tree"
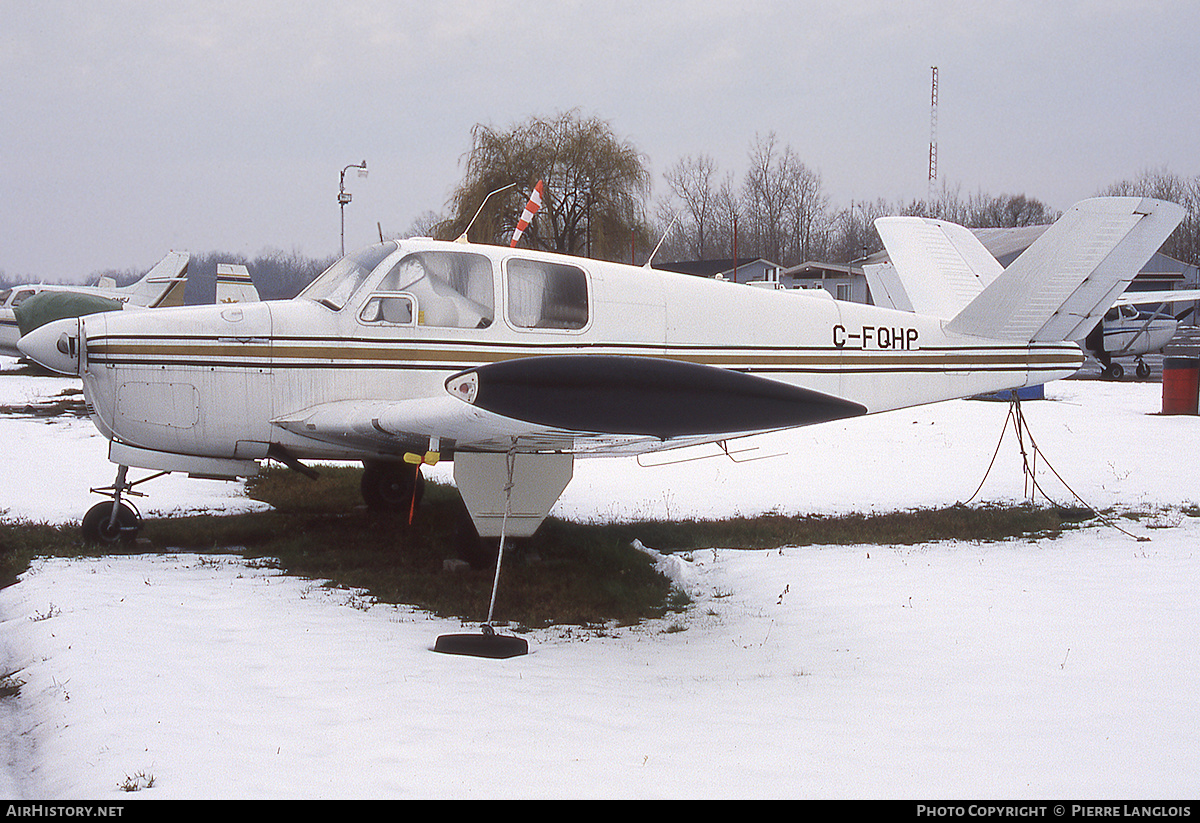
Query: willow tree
(595, 187)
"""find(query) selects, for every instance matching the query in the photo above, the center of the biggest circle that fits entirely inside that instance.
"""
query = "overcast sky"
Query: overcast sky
(133, 128)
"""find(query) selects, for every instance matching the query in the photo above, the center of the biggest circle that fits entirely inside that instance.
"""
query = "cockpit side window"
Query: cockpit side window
(452, 289)
(545, 295)
(388, 309)
(339, 282)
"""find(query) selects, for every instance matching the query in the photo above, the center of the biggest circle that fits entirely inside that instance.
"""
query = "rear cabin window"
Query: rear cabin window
(450, 289)
(546, 295)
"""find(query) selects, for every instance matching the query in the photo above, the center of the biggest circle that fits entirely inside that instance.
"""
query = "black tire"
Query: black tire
(1115, 371)
(98, 526)
(1143, 371)
(392, 487)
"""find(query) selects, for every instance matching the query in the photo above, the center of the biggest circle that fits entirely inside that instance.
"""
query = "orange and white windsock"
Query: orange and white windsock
(531, 208)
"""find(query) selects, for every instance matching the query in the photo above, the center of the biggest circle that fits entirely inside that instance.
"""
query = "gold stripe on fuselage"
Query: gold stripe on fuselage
(291, 355)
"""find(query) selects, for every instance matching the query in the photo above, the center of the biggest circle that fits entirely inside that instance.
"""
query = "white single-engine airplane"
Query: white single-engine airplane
(512, 363)
(163, 285)
(1129, 331)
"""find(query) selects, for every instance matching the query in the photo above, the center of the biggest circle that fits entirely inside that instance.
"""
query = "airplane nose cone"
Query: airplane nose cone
(54, 345)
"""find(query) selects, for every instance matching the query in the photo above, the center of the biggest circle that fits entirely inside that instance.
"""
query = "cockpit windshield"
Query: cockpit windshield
(338, 283)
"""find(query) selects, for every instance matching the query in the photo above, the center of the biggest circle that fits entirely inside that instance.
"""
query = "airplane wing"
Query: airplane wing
(393, 427)
(577, 404)
(1131, 298)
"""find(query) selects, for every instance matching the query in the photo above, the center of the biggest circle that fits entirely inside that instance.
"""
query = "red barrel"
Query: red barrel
(1181, 385)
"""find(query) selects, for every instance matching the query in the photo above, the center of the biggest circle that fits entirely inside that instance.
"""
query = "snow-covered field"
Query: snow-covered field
(1023, 669)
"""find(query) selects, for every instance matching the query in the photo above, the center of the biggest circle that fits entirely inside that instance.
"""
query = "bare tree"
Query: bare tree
(692, 185)
(765, 196)
(807, 211)
(785, 209)
(852, 234)
(1008, 210)
(426, 224)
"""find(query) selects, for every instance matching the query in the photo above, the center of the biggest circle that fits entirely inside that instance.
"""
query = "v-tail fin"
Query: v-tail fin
(1060, 287)
(938, 267)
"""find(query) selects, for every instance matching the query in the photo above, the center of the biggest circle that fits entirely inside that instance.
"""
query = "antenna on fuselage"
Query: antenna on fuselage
(650, 259)
(462, 238)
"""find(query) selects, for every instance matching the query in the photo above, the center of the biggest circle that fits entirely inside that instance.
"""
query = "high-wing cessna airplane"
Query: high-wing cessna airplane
(163, 285)
(513, 363)
(1129, 331)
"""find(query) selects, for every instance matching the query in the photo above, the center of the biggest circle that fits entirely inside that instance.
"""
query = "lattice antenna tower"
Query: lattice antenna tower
(933, 94)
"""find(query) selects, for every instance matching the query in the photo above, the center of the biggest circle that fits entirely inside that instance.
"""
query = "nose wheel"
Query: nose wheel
(108, 523)
(115, 521)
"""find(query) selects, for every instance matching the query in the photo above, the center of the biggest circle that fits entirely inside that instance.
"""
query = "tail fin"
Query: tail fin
(163, 285)
(234, 284)
(887, 288)
(1060, 287)
(939, 267)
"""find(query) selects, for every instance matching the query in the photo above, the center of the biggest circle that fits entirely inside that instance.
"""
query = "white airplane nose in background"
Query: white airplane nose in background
(54, 345)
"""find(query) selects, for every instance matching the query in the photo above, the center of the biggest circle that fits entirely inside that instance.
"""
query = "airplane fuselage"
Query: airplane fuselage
(232, 382)
(1134, 338)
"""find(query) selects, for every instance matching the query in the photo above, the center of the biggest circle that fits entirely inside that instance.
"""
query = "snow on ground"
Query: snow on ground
(1021, 669)
(54, 462)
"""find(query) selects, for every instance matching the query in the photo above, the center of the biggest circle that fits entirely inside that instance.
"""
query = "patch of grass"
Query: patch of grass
(958, 522)
(320, 529)
(21, 541)
(334, 491)
(568, 573)
(67, 401)
(137, 782)
(10, 685)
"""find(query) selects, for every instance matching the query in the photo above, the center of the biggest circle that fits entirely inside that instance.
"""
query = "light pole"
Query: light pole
(344, 196)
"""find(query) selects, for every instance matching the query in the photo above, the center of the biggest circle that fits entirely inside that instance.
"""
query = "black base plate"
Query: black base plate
(481, 645)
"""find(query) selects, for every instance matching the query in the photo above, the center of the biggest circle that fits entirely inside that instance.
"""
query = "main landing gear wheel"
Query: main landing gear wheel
(100, 526)
(1115, 371)
(392, 487)
(1143, 371)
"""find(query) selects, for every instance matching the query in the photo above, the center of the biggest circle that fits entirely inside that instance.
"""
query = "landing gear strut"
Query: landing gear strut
(487, 643)
(115, 522)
